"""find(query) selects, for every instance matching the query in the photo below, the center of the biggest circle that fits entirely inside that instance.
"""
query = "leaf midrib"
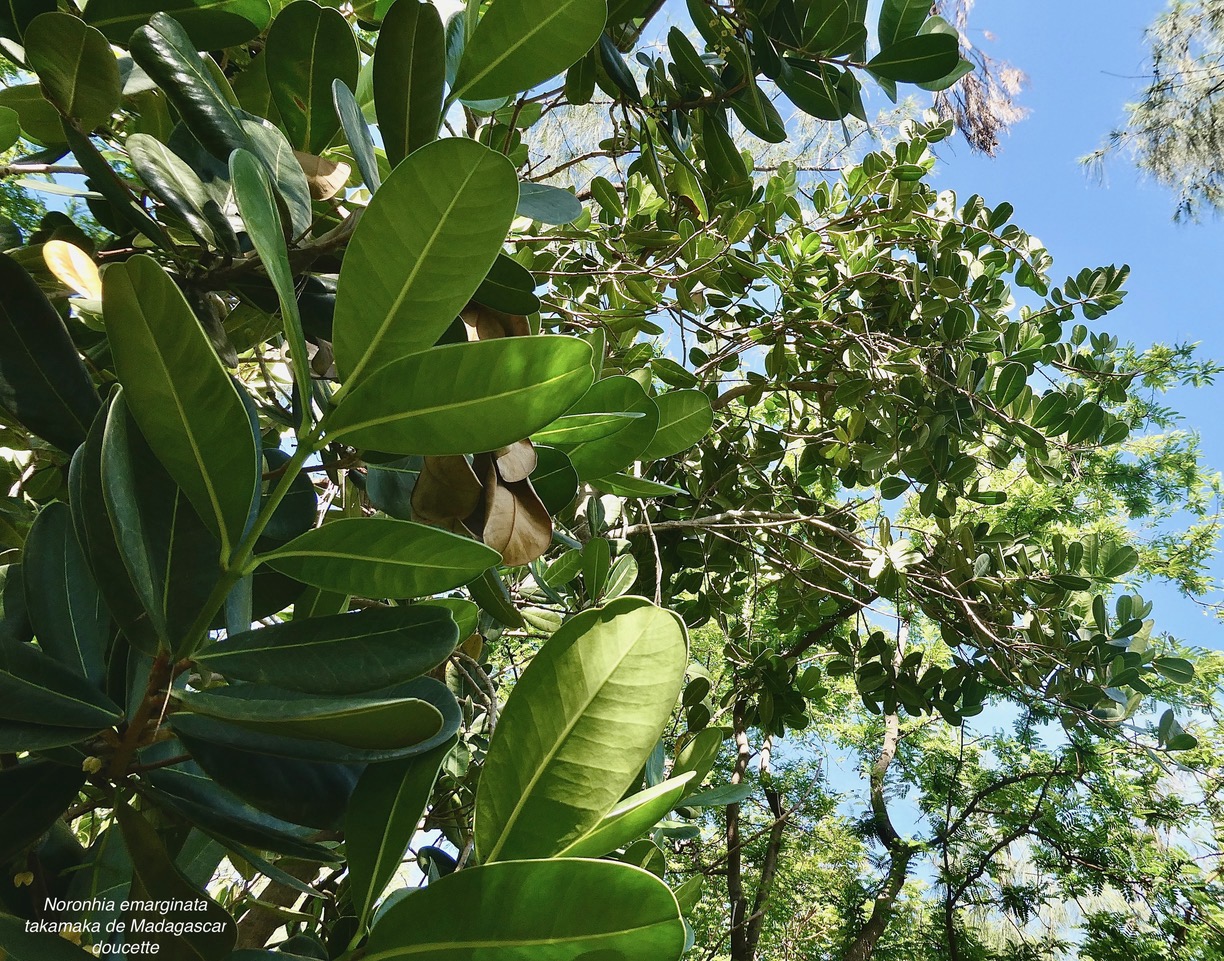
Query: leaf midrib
(525, 794)
(410, 281)
(509, 51)
(451, 945)
(457, 405)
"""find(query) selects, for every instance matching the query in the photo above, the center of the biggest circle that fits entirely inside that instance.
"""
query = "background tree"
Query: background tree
(1173, 130)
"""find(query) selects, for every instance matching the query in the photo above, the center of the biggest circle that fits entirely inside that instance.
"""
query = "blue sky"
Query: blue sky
(1084, 61)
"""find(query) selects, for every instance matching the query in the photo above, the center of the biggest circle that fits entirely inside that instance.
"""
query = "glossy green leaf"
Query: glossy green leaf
(16, 15)
(127, 212)
(596, 562)
(172, 181)
(814, 94)
(257, 203)
(312, 793)
(631, 818)
(554, 479)
(580, 428)
(1176, 669)
(465, 614)
(622, 577)
(75, 66)
(187, 406)
(961, 70)
(155, 877)
(560, 910)
(617, 71)
(758, 114)
(33, 795)
(610, 454)
(365, 722)
(19, 736)
(626, 485)
(37, 689)
(357, 134)
(187, 791)
(509, 287)
(382, 818)
(10, 127)
(409, 71)
(98, 540)
(548, 204)
(578, 727)
(40, 122)
(919, 59)
(445, 211)
(43, 384)
(309, 47)
(492, 596)
(580, 79)
(465, 398)
(279, 744)
(685, 416)
(1120, 561)
(172, 559)
(211, 24)
(340, 654)
(521, 43)
(900, 19)
(699, 754)
(382, 557)
(293, 190)
(69, 618)
(22, 945)
(166, 53)
(720, 796)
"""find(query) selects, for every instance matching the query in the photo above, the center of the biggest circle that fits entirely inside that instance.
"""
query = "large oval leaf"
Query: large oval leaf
(69, 618)
(172, 559)
(340, 654)
(465, 398)
(445, 212)
(562, 910)
(685, 416)
(597, 458)
(211, 24)
(920, 59)
(548, 204)
(36, 689)
(308, 48)
(97, 538)
(381, 557)
(187, 406)
(630, 819)
(409, 70)
(172, 181)
(264, 741)
(43, 384)
(32, 797)
(257, 203)
(313, 793)
(186, 790)
(520, 43)
(367, 723)
(75, 65)
(169, 57)
(382, 818)
(900, 19)
(578, 727)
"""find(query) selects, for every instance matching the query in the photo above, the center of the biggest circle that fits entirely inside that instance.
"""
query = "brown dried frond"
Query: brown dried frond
(983, 104)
